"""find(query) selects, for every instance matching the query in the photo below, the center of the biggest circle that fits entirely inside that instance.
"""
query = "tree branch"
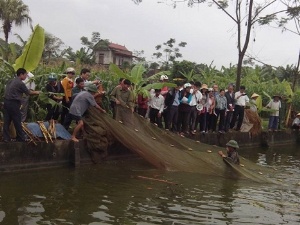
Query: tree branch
(254, 21)
(259, 11)
(228, 14)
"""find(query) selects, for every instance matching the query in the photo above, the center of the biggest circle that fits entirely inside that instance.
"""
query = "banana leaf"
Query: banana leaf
(266, 94)
(32, 51)
(5, 66)
(137, 73)
(117, 72)
(44, 97)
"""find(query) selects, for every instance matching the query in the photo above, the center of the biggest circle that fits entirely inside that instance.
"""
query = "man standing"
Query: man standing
(156, 108)
(124, 100)
(14, 91)
(221, 105)
(30, 84)
(241, 99)
(215, 88)
(229, 94)
(113, 96)
(172, 102)
(196, 98)
(275, 105)
(164, 92)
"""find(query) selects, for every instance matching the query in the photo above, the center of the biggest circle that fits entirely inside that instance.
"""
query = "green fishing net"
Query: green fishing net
(165, 150)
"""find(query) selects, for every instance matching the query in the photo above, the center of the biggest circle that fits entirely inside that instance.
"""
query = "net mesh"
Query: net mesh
(164, 149)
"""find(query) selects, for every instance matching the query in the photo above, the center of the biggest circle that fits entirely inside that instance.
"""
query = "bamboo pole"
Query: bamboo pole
(45, 132)
(32, 138)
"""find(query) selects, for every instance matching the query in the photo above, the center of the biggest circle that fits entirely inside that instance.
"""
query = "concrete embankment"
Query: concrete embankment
(16, 156)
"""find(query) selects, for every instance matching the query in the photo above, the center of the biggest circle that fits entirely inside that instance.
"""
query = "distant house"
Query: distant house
(107, 52)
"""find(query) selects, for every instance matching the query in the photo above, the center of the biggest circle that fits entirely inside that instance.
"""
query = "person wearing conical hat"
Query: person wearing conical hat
(275, 105)
(296, 122)
(253, 104)
(232, 154)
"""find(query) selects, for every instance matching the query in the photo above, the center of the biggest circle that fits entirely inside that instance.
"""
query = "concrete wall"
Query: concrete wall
(20, 156)
(16, 156)
(247, 140)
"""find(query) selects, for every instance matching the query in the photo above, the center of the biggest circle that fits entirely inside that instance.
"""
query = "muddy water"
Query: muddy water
(113, 193)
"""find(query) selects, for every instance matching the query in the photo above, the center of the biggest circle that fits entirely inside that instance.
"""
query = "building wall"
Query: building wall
(109, 57)
(106, 56)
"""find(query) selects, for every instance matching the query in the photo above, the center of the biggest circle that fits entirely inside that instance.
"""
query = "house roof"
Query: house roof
(119, 49)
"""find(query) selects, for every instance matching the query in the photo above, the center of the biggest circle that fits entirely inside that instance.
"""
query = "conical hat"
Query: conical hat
(254, 95)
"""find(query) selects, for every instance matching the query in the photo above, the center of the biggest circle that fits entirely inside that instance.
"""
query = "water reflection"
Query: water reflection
(112, 194)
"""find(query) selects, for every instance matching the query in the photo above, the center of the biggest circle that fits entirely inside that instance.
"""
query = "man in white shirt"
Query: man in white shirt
(30, 84)
(275, 105)
(156, 107)
(85, 75)
(196, 98)
(241, 99)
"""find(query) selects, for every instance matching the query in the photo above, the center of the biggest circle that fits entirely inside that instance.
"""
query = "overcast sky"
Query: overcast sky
(209, 33)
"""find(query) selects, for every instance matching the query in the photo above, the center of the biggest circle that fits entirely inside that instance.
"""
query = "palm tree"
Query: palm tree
(13, 11)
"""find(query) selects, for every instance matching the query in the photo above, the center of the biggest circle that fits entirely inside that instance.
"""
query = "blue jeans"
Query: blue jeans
(273, 122)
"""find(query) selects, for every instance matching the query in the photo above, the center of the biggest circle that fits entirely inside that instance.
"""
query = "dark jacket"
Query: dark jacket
(170, 97)
(230, 98)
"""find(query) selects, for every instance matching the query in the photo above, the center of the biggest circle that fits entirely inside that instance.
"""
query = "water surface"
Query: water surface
(113, 193)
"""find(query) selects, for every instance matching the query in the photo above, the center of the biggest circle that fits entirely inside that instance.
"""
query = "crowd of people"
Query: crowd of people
(185, 109)
(192, 107)
(66, 100)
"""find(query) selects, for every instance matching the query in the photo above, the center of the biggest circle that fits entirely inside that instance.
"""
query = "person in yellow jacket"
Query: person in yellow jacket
(67, 83)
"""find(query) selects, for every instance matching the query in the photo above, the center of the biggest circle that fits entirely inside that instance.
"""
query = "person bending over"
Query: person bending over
(78, 108)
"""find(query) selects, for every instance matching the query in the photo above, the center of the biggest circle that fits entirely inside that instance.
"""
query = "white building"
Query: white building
(106, 53)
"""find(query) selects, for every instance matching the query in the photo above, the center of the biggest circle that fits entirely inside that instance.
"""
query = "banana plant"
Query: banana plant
(32, 51)
(136, 77)
(191, 76)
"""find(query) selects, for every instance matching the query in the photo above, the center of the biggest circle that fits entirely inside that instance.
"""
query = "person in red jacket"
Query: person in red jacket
(142, 104)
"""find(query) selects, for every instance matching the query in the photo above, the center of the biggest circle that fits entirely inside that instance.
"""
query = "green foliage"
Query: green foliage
(13, 12)
(167, 52)
(33, 50)
(264, 20)
(136, 77)
(52, 47)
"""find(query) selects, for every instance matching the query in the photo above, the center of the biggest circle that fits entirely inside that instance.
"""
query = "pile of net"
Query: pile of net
(251, 122)
(164, 149)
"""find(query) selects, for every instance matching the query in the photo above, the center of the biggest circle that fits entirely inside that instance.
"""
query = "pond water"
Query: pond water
(114, 193)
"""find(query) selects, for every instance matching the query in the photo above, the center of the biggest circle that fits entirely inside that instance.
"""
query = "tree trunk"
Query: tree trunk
(242, 51)
(239, 71)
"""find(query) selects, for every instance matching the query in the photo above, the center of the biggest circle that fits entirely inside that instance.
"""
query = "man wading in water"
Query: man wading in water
(232, 154)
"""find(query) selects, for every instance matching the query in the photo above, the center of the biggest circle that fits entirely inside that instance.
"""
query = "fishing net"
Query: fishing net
(164, 149)
(255, 121)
